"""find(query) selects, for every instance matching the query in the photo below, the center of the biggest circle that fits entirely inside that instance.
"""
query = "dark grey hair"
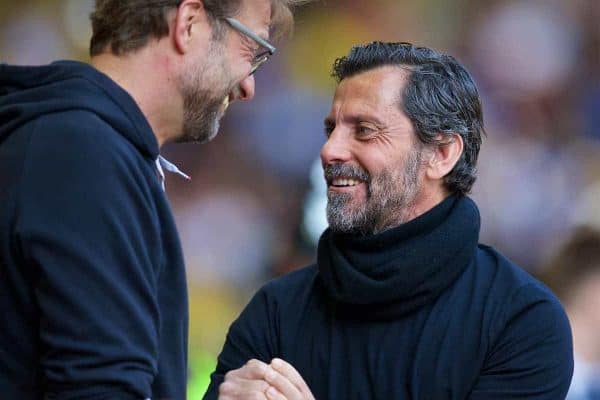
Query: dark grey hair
(440, 97)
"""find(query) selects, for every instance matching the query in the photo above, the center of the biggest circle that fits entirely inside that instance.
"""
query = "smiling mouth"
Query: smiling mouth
(344, 182)
(344, 177)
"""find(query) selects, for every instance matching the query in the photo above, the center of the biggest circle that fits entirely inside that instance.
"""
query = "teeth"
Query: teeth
(226, 102)
(345, 182)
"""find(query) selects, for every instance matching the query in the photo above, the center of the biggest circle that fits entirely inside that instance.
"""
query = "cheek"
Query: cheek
(374, 164)
(235, 59)
(380, 151)
(219, 57)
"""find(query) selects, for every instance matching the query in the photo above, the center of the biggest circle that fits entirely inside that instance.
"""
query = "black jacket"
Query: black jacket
(418, 312)
(92, 284)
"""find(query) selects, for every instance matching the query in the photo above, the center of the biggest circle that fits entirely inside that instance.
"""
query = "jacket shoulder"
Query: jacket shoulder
(293, 286)
(508, 275)
(292, 281)
(75, 127)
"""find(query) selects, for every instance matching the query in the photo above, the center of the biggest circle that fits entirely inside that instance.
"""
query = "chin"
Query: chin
(213, 132)
(201, 130)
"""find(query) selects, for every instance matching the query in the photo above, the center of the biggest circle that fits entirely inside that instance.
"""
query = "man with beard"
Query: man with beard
(402, 303)
(92, 282)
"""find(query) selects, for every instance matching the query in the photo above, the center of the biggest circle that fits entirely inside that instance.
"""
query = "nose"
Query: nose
(246, 88)
(336, 149)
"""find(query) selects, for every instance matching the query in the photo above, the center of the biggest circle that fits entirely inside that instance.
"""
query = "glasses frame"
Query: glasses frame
(261, 57)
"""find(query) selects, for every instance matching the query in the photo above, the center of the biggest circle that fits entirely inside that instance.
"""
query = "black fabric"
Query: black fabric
(92, 282)
(27, 93)
(493, 333)
(399, 270)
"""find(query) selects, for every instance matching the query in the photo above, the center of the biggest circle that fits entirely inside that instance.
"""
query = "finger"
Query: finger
(283, 384)
(274, 394)
(251, 396)
(287, 370)
(253, 369)
(241, 386)
(243, 389)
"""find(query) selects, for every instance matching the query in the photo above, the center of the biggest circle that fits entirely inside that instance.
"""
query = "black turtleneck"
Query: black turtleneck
(395, 272)
(420, 311)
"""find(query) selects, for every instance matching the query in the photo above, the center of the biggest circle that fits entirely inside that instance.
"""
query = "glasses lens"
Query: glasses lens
(259, 60)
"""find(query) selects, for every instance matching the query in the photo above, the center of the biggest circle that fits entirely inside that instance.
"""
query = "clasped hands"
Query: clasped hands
(257, 380)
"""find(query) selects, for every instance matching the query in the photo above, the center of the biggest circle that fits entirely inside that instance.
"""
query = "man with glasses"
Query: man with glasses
(92, 281)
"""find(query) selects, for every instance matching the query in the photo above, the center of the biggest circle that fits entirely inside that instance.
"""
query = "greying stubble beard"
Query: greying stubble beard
(390, 197)
(202, 106)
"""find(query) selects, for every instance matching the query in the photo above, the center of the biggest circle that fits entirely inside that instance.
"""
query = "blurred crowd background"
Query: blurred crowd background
(255, 206)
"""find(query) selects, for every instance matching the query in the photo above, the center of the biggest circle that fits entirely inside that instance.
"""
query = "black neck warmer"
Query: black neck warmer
(385, 276)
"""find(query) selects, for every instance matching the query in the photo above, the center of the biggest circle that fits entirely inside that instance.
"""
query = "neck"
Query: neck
(424, 201)
(148, 75)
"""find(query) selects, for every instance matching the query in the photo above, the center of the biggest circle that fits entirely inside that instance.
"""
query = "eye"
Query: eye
(364, 130)
(261, 54)
(328, 129)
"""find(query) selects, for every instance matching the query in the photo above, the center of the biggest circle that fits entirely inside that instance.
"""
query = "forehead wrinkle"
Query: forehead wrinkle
(374, 95)
(361, 113)
(265, 21)
(356, 109)
(259, 12)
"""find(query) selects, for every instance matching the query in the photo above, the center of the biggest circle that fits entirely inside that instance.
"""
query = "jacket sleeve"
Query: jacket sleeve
(532, 357)
(88, 235)
(253, 335)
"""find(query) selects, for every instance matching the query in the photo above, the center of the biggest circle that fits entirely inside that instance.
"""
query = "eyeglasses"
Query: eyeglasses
(262, 56)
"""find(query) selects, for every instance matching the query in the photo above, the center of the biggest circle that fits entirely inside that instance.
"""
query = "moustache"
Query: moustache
(347, 171)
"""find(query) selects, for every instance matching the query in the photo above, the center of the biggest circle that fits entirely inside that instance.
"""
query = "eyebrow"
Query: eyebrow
(264, 36)
(259, 38)
(330, 121)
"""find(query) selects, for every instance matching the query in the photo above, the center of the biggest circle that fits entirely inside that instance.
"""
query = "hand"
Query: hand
(285, 382)
(246, 382)
(259, 381)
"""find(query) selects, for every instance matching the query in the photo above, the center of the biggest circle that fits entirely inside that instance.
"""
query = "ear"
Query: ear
(444, 156)
(190, 26)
